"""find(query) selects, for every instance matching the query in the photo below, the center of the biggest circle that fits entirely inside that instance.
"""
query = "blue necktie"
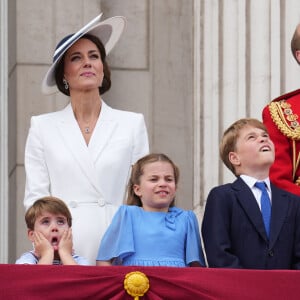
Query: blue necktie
(265, 205)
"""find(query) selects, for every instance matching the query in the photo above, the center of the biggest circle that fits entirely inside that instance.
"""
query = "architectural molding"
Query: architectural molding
(197, 110)
(4, 209)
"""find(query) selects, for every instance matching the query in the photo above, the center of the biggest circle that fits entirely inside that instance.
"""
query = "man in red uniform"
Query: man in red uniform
(282, 119)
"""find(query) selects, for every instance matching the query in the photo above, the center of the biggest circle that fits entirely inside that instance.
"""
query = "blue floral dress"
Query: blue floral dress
(141, 238)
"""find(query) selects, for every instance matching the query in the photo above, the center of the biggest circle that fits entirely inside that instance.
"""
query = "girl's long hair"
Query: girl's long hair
(138, 170)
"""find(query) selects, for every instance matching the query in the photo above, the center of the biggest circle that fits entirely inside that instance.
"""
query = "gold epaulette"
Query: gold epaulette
(284, 118)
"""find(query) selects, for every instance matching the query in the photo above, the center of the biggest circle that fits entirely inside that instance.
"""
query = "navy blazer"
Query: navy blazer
(234, 234)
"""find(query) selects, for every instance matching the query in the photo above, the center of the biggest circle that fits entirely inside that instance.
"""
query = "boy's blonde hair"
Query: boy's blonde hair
(230, 136)
(138, 170)
(49, 204)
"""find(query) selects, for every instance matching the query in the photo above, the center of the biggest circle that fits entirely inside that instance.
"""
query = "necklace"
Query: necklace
(87, 127)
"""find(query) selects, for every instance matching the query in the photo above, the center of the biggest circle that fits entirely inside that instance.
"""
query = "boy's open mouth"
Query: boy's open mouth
(265, 149)
(54, 241)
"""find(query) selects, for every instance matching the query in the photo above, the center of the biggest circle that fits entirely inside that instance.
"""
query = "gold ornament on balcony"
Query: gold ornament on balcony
(136, 284)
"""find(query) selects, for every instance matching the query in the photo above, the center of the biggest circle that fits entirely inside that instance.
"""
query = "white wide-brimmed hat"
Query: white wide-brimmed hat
(108, 31)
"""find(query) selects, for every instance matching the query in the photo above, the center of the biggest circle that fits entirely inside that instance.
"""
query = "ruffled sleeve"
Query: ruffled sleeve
(117, 241)
(193, 243)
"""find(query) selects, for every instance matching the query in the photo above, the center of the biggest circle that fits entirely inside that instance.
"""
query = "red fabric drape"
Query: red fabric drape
(81, 282)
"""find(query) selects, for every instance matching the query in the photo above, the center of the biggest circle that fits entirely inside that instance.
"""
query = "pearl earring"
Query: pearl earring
(66, 84)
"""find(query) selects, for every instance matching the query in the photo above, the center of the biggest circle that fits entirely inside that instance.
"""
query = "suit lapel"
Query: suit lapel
(250, 206)
(74, 141)
(105, 128)
(280, 207)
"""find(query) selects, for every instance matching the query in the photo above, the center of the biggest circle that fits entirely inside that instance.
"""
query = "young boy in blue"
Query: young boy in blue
(150, 230)
(49, 224)
(251, 223)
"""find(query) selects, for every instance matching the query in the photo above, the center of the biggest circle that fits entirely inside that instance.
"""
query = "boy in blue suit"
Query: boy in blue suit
(240, 231)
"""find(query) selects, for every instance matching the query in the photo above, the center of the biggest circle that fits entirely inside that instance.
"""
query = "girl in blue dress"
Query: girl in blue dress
(150, 230)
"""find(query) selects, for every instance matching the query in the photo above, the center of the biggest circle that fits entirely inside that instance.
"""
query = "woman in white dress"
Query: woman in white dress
(83, 153)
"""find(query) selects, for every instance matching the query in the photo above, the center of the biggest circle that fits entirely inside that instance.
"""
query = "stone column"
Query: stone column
(242, 61)
(4, 209)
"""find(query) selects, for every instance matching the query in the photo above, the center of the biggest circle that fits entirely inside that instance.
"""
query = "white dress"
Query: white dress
(90, 179)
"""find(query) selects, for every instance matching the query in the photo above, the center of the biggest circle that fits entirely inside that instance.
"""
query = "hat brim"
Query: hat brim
(108, 31)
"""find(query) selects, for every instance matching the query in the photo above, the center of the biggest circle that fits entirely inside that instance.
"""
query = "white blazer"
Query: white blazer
(90, 179)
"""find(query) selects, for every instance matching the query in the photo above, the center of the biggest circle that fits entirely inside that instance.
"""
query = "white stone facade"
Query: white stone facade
(192, 67)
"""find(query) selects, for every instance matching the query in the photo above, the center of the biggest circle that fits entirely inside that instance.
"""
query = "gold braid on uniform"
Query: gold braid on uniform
(286, 122)
(285, 119)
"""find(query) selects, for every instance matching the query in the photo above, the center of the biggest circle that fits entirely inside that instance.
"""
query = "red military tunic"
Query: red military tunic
(281, 117)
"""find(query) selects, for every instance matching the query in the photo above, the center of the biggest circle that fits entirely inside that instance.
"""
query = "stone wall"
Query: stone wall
(191, 67)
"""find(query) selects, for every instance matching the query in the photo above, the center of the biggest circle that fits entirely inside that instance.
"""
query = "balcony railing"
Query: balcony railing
(156, 283)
